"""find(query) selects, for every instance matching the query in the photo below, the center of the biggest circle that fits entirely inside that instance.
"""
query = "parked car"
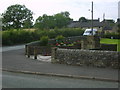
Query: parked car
(89, 32)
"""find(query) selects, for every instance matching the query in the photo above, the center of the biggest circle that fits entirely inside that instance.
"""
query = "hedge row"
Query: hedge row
(13, 37)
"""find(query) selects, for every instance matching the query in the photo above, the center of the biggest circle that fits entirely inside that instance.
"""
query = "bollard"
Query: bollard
(35, 53)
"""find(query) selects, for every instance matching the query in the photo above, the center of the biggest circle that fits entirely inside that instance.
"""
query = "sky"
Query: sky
(76, 8)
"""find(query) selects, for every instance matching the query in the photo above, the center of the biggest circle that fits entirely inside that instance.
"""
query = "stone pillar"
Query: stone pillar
(90, 42)
(93, 42)
(53, 55)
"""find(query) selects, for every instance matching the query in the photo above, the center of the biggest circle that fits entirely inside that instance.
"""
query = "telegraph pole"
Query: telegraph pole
(92, 18)
(103, 24)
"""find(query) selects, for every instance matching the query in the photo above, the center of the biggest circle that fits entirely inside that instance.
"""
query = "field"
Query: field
(111, 41)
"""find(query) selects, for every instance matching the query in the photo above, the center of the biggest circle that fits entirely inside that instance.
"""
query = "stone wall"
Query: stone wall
(85, 57)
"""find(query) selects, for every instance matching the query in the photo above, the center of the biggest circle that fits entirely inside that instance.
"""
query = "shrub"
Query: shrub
(51, 34)
(44, 40)
(111, 34)
(59, 38)
(12, 37)
(6, 38)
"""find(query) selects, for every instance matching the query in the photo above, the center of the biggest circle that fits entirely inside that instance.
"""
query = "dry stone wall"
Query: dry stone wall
(94, 58)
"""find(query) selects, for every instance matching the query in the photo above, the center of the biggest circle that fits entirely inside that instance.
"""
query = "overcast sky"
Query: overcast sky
(76, 8)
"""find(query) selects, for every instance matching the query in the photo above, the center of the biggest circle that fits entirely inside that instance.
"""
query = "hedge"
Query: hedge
(12, 37)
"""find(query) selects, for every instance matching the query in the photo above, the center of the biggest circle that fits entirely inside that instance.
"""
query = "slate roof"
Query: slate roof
(76, 24)
(96, 23)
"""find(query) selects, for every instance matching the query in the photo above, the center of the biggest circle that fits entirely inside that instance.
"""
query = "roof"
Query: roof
(76, 24)
(107, 25)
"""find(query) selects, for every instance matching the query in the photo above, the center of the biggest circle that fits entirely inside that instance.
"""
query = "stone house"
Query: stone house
(106, 24)
(86, 24)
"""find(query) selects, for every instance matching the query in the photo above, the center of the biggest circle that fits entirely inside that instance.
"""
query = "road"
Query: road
(8, 48)
(19, 80)
(14, 59)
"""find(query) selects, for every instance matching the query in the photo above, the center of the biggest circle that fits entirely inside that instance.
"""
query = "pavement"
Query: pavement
(16, 61)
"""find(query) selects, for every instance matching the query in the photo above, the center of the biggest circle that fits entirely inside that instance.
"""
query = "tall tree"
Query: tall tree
(17, 16)
(45, 22)
(62, 19)
(58, 20)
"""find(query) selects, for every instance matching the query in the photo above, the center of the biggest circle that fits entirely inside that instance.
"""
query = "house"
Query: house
(116, 28)
(106, 24)
(86, 24)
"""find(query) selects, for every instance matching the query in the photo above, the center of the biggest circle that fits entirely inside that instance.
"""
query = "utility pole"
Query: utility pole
(103, 24)
(92, 18)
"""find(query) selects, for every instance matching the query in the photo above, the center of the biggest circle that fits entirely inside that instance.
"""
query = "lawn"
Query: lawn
(111, 41)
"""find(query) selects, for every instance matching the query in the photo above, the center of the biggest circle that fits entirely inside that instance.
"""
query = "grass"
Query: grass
(111, 41)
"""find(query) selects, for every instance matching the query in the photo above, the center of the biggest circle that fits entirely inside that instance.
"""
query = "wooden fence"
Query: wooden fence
(37, 50)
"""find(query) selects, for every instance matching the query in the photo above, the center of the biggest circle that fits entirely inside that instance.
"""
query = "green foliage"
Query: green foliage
(45, 22)
(44, 40)
(60, 37)
(52, 33)
(6, 38)
(111, 34)
(50, 22)
(17, 16)
(11, 37)
(62, 19)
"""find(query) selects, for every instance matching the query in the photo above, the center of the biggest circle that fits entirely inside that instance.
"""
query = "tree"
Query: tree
(62, 19)
(17, 16)
(82, 19)
(45, 22)
(50, 22)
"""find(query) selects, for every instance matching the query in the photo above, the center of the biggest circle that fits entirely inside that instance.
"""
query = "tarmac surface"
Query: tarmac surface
(16, 61)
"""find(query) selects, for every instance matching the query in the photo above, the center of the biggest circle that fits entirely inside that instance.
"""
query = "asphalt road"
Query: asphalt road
(8, 48)
(19, 80)
(14, 59)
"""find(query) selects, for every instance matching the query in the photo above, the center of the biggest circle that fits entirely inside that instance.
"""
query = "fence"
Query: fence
(37, 50)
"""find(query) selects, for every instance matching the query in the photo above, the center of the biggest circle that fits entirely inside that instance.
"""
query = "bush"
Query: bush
(44, 40)
(60, 37)
(12, 37)
(111, 34)
(6, 38)
(52, 34)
